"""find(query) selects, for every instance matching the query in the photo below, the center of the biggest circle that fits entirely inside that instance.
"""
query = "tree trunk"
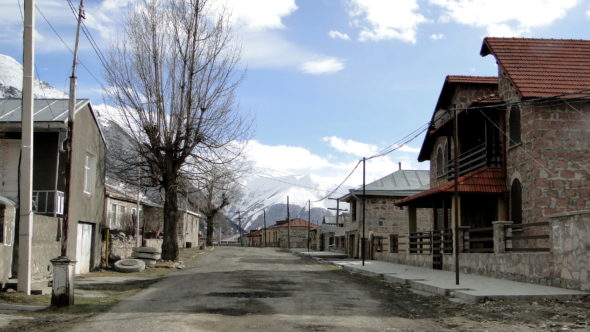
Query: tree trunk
(170, 243)
(209, 232)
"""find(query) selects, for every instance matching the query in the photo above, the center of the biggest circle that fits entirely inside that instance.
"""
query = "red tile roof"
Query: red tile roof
(542, 67)
(483, 180)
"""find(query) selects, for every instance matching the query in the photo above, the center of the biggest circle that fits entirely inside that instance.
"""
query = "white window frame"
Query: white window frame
(89, 173)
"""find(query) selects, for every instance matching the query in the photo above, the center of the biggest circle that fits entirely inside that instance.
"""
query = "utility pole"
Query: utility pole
(62, 293)
(288, 225)
(240, 224)
(137, 240)
(264, 219)
(363, 244)
(456, 193)
(308, 224)
(25, 229)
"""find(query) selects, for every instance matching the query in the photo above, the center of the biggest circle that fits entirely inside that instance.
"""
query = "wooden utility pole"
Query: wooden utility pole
(308, 224)
(288, 225)
(62, 292)
(264, 219)
(456, 193)
(25, 229)
(363, 244)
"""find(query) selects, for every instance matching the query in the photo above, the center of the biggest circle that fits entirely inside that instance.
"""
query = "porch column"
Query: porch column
(499, 227)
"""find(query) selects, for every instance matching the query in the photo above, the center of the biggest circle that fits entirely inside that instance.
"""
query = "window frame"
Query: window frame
(90, 167)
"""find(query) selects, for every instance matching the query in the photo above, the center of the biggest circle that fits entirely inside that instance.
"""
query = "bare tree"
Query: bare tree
(173, 76)
(219, 189)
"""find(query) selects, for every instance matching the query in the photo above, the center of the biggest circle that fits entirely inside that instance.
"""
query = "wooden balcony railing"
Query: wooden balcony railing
(482, 155)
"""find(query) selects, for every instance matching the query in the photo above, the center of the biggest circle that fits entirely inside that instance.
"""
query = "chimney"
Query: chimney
(400, 165)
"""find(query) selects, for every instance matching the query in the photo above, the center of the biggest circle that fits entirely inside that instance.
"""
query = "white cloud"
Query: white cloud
(349, 146)
(260, 14)
(386, 19)
(338, 35)
(322, 66)
(437, 36)
(283, 158)
(504, 18)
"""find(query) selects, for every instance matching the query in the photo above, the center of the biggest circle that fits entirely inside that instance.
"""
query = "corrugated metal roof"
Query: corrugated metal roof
(542, 67)
(399, 183)
(44, 110)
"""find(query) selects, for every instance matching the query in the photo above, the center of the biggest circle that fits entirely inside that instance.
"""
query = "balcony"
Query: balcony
(48, 202)
(483, 155)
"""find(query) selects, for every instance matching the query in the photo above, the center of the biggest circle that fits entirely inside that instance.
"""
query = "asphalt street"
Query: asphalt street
(265, 289)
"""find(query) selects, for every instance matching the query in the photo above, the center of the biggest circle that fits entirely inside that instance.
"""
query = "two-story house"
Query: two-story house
(49, 159)
(384, 221)
(523, 144)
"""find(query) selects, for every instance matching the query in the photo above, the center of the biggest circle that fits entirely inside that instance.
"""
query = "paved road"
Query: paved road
(262, 289)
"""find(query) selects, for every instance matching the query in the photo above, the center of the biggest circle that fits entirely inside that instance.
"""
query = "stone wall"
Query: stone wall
(566, 265)
(571, 247)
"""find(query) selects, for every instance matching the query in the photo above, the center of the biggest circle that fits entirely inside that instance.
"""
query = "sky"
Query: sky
(327, 82)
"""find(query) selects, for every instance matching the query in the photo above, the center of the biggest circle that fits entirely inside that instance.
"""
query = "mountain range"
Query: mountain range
(261, 190)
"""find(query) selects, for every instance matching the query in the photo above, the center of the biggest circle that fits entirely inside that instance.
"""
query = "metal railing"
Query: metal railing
(50, 202)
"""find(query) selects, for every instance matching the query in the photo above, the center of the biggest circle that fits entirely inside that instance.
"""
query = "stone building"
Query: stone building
(297, 235)
(384, 221)
(523, 181)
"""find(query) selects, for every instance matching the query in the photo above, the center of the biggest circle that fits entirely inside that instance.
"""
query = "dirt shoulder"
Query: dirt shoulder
(95, 292)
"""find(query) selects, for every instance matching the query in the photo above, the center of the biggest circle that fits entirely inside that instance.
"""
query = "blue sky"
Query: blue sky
(327, 81)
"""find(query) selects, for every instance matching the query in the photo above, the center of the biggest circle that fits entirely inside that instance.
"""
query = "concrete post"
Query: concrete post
(500, 235)
(62, 291)
(464, 238)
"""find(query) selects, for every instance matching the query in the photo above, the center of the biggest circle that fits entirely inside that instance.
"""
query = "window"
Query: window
(89, 173)
(439, 162)
(378, 243)
(393, 243)
(113, 215)
(353, 210)
(516, 202)
(515, 125)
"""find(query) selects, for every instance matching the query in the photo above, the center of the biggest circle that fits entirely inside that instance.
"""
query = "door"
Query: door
(83, 248)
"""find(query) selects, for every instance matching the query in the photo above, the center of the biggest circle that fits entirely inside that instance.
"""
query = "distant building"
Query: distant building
(277, 235)
(384, 221)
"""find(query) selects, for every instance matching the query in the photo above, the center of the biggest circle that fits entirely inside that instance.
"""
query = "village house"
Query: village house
(332, 234)
(384, 221)
(278, 234)
(49, 159)
(523, 185)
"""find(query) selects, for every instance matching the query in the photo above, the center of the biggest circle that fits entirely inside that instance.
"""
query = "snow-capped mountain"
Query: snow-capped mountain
(11, 81)
(261, 192)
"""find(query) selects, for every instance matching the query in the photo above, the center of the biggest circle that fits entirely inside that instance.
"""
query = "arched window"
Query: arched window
(516, 202)
(439, 162)
(515, 125)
